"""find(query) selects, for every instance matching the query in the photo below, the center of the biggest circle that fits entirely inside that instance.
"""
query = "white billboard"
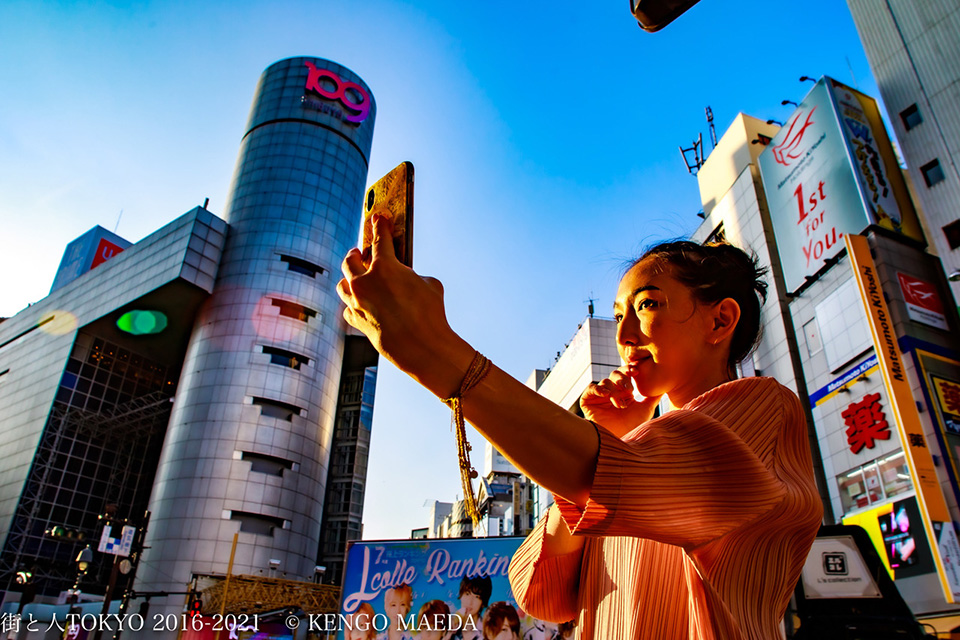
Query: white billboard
(830, 171)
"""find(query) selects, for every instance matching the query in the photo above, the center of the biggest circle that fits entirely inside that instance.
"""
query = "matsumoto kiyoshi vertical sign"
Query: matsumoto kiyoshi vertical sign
(933, 506)
(428, 589)
(830, 171)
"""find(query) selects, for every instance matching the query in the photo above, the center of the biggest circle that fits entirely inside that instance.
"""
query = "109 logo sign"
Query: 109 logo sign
(353, 97)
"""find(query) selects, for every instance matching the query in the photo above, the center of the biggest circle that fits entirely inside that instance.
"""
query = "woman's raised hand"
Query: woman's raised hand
(611, 404)
(402, 314)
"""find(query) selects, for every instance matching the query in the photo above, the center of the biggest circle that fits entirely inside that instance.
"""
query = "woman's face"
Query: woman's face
(663, 334)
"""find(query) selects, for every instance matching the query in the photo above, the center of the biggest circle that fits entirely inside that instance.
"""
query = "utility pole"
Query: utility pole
(125, 563)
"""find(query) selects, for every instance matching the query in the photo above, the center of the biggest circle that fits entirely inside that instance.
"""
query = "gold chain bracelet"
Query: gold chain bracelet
(477, 371)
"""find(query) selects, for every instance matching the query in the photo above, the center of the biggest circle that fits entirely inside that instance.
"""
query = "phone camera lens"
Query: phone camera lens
(371, 196)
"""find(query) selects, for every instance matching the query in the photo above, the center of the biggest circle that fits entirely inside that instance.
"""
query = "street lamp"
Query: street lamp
(84, 559)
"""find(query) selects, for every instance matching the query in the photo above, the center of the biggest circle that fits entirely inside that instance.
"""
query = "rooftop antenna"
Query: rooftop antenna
(713, 131)
(693, 165)
(590, 302)
(850, 66)
(117, 226)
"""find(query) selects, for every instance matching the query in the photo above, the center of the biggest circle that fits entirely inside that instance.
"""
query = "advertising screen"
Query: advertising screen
(437, 588)
(900, 529)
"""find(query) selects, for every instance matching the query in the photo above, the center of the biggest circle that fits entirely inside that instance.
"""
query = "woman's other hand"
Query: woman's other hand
(611, 403)
(402, 314)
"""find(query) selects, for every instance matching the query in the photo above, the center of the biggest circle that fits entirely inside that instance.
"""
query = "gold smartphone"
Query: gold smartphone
(392, 196)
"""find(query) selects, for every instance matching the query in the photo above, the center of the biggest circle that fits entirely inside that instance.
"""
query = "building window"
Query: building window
(932, 173)
(277, 409)
(293, 310)
(348, 424)
(286, 358)
(270, 465)
(301, 266)
(257, 523)
(874, 482)
(952, 232)
(911, 117)
(894, 474)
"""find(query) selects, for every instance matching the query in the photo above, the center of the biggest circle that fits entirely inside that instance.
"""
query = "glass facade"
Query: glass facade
(346, 482)
(100, 447)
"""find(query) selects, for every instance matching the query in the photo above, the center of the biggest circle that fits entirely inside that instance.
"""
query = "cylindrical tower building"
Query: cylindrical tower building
(248, 445)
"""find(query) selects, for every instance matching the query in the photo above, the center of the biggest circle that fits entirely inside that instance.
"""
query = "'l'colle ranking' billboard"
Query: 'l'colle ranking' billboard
(433, 590)
(830, 171)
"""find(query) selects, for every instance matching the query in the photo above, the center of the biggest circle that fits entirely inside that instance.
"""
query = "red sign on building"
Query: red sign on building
(922, 300)
(105, 251)
(865, 423)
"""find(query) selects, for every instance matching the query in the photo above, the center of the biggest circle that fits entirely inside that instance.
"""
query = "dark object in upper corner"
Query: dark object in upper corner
(654, 15)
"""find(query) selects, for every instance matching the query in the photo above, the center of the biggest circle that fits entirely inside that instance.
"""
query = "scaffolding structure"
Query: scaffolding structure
(246, 594)
(134, 424)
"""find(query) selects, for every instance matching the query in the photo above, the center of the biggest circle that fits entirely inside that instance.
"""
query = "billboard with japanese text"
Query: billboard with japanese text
(447, 587)
(948, 402)
(830, 171)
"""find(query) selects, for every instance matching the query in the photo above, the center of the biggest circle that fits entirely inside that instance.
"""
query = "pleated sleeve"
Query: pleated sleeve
(682, 479)
(545, 586)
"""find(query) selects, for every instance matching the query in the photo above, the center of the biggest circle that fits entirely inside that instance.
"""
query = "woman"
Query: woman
(692, 525)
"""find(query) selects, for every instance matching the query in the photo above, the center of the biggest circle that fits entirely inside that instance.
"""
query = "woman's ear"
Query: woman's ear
(725, 316)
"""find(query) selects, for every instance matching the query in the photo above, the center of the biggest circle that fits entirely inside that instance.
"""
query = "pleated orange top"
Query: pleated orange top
(697, 525)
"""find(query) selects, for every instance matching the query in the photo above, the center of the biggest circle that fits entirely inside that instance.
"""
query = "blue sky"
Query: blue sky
(545, 137)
